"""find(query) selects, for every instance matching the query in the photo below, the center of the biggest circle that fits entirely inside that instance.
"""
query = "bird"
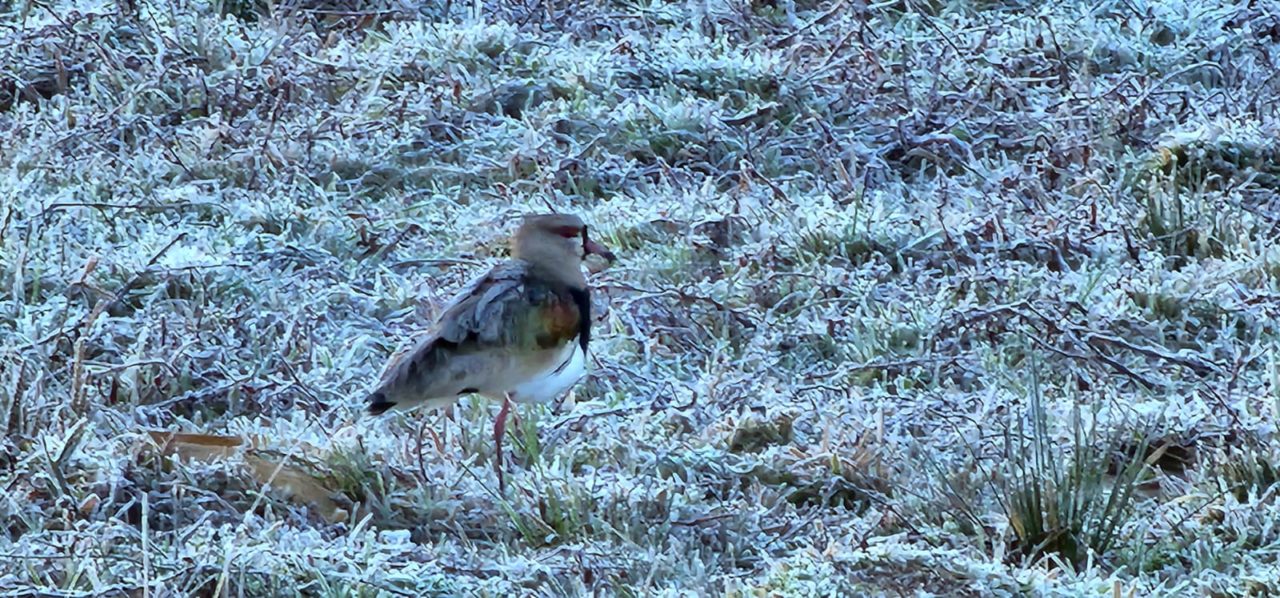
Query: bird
(520, 332)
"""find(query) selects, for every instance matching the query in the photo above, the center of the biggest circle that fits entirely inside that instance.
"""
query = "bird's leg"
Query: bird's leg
(515, 422)
(499, 431)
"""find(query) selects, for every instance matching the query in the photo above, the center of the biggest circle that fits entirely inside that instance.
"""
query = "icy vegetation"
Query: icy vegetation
(966, 297)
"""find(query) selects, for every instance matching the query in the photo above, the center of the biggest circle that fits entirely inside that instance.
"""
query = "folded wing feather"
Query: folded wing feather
(506, 327)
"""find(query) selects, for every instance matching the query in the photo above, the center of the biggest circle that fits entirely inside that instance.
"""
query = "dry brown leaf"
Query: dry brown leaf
(296, 483)
(196, 446)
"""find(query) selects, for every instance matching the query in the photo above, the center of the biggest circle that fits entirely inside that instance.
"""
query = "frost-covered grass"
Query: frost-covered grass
(954, 297)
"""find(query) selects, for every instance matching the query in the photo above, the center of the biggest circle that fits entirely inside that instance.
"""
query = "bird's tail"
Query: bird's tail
(378, 403)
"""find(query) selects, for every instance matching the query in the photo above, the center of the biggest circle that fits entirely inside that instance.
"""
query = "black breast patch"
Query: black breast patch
(582, 297)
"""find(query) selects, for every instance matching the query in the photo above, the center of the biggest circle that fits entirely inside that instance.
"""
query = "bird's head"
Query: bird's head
(556, 242)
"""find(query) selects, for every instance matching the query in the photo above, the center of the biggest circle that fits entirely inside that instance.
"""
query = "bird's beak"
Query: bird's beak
(589, 247)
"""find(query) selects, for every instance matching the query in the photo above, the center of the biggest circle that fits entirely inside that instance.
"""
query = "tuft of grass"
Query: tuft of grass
(1073, 503)
(1251, 473)
(1188, 182)
(1075, 509)
(755, 433)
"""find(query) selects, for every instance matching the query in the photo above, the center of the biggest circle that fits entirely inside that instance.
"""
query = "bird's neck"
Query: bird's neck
(569, 274)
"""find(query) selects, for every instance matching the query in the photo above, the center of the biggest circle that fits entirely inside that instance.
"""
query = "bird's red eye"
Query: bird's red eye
(569, 232)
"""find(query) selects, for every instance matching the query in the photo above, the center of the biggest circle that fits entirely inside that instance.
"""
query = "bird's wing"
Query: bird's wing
(488, 333)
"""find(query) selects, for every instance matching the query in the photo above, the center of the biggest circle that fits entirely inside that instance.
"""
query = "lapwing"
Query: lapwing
(518, 333)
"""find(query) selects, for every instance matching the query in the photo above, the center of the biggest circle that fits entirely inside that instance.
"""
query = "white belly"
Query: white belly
(560, 376)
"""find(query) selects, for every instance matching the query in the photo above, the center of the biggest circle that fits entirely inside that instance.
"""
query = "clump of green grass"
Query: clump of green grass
(351, 472)
(1186, 183)
(671, 131)
(1074, 510)
(1071, 503)
(1177, 224)
(1251, 473)
(557, 513)
(844, 242)
(754, 433)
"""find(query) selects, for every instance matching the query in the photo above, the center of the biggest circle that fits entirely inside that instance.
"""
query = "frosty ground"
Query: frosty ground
(914, 297)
